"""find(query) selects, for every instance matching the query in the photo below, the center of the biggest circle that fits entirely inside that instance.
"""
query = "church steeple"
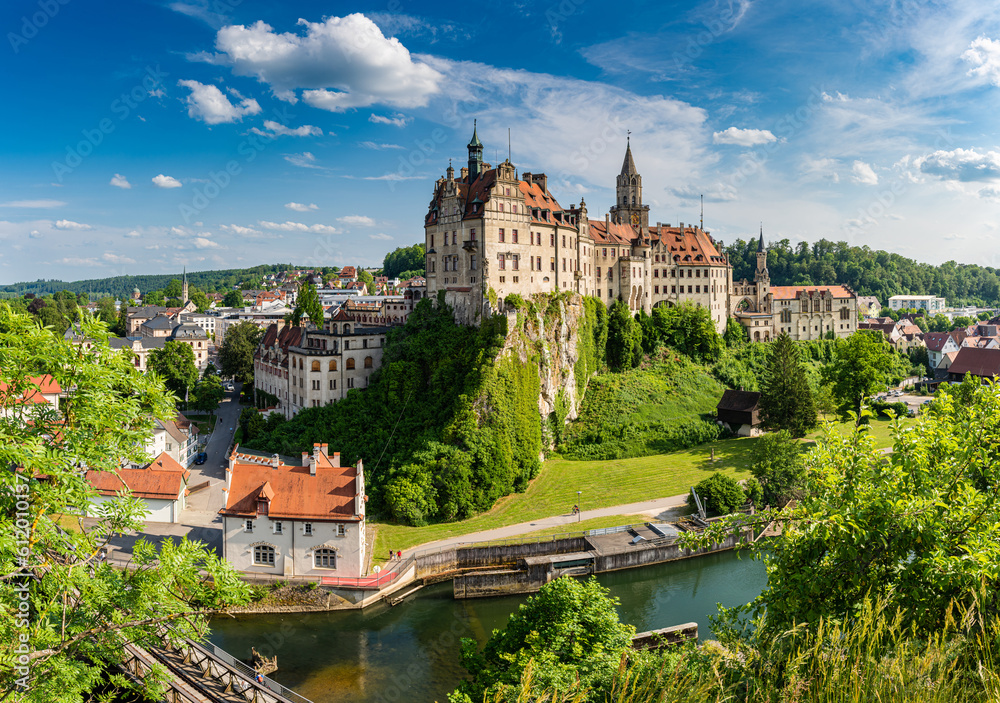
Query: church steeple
(475, 155)
(184, 288)
(628, 207)
(761, 274)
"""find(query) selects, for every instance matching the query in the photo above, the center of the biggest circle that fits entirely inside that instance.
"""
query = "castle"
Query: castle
(490, 233)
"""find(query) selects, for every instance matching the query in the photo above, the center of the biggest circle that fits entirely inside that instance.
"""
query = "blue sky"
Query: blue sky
(141, 136)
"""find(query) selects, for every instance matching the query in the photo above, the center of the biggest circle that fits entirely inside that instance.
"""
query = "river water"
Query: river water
(409, 653)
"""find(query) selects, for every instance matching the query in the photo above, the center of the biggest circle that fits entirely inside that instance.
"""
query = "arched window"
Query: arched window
(324, 559)
(315, 366)
(350, 364)
(333, 328)
(333, 364)
(368, 362)
(347, 328)
(263, 555)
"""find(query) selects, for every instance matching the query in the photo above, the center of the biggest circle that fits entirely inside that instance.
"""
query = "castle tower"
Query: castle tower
(628, 207)
(184, 288)
(475, 155)
(761, 276)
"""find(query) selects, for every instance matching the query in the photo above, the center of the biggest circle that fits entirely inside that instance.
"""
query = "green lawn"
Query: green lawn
(879, 428)
(205, 423)
(602, 484)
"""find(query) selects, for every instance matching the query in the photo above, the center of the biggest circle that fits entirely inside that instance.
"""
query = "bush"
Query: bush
(754, 491)
(719, 494)
(899, 408)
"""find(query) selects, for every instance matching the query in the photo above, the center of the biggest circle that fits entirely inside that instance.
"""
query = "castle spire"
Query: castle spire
(628, 165)
(475, 154)
(760, 243)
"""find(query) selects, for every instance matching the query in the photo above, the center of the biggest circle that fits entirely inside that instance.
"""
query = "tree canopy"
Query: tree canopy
(863, 365)
(237, 350)
(404, 259)
(175, 364)
(786, 401)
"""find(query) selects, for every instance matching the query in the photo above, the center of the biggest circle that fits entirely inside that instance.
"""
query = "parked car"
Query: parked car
(229, 386)
(201, 458)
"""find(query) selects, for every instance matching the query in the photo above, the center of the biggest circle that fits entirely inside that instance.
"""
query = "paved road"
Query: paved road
(660, 509)
(204, 505)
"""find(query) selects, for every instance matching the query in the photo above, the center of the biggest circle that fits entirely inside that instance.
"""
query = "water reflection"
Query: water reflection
(410, 653)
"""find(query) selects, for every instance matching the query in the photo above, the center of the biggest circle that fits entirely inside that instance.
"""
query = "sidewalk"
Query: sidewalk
(660, 509)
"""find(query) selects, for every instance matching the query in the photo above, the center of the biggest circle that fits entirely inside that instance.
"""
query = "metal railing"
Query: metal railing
(249, 672)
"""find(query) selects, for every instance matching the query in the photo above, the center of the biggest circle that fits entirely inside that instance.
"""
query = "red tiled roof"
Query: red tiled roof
(44, 385)
(793, 292)
(612, 233)
(688, 246)
(293, 493)
(163, 478)
(935, 341)
(984, 363)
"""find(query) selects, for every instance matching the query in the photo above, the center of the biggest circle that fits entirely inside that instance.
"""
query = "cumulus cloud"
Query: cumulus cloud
(961, 165)
(113, 258)
(70, 225)
(358, 220)
(303, 160)
(378, 147)
(396, 120)
(35, 234)
(716, 193)
(381, 236)
(240, 230)
(984, 56)
(276, 129)
(208, 104)
(132, 234)
(743, 137)
(119, 181)
(298, 227)
(302, 207)
(77, 261)
(203, 243)
(42, 204)
(864, 174)
(339, 63)
(162, 181)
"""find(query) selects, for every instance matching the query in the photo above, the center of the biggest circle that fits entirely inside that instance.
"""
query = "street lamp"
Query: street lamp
(578, 511)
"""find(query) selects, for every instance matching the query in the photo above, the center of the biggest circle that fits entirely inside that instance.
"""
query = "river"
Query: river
(410, 653)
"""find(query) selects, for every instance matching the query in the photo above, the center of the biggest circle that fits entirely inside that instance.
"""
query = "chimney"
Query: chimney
(317, 450)
(325, 448)
(305, 458)
(312, 466)
(274, 461)
(336, 460)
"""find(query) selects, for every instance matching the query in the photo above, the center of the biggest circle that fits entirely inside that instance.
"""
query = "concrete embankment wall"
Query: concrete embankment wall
(644, 555)
(483, 584)
(493, 555)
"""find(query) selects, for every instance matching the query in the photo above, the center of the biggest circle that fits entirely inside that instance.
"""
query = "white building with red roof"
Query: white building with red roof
(161, 485)
(490, 233)
(36, 390)
(294, 520)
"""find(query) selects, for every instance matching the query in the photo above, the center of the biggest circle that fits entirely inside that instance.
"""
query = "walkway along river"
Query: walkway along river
(410, 653)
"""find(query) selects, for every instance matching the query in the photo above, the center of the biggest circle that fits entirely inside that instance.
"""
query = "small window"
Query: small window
(333, 364)
(277, 527)
(350, 364)
(248, 526)
(263, 555)
(341, 530)
(307, 528)
(315, 366)
(324, 559)
(369, 363)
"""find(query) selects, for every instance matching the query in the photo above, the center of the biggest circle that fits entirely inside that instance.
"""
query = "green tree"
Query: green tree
(786, 403)
(404, 259)
(940, 323)
(307, 303)
(720, 494)
(862, 366)
(106, 312)
(200, 299)
(155, 297)
(237, 350)
(688, 328)
(251, 423)
(624, 345)
(735, 335)
(233, 299)
(175, 364)
(208, 393)
(962, 321)
(776, 462)
(81, 609)
(173, 289)
(569, 633)
(369, 280)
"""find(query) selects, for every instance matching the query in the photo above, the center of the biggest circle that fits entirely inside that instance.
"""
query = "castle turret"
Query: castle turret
(475, 155)
(628, 209)
(184, 288)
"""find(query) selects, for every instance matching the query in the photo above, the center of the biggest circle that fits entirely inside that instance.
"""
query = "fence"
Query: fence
(249, 672)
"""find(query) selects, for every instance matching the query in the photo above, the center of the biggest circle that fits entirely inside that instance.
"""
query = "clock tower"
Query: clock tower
(629, 208)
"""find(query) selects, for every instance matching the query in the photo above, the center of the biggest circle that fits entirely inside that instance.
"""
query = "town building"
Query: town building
(980, 363)
(161, 485)
(938, 344)
(929, 303)
(40, 391)
(740, 410)
(304, 519)
(490, 233)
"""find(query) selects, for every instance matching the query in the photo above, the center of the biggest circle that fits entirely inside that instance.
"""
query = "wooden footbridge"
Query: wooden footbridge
(204, 673)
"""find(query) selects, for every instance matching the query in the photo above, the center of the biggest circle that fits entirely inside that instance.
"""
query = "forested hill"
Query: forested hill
(867, 271)
(122, 286)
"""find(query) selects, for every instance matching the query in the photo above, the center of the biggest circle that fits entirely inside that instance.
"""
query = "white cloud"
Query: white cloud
(339, 63)
(380, 237)
(41, 204)
(113, 258)
(77, 261)
(162, 181)
(715, 193)
(132, 234)
(743, 137)
(304, 160)
(396, 120)
(864, 174)
(819, 169)
(240, 230)
(961, 165)
(203, 243)
(275, 129)
(984, 55)
(70, 225)
(208, 104)
(302, 207)
(298, 227)
(35, 234)
(378, 147)
(119, 181)
(359, 220)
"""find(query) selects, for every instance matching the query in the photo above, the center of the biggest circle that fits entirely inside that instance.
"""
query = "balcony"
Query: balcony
(470, 245)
